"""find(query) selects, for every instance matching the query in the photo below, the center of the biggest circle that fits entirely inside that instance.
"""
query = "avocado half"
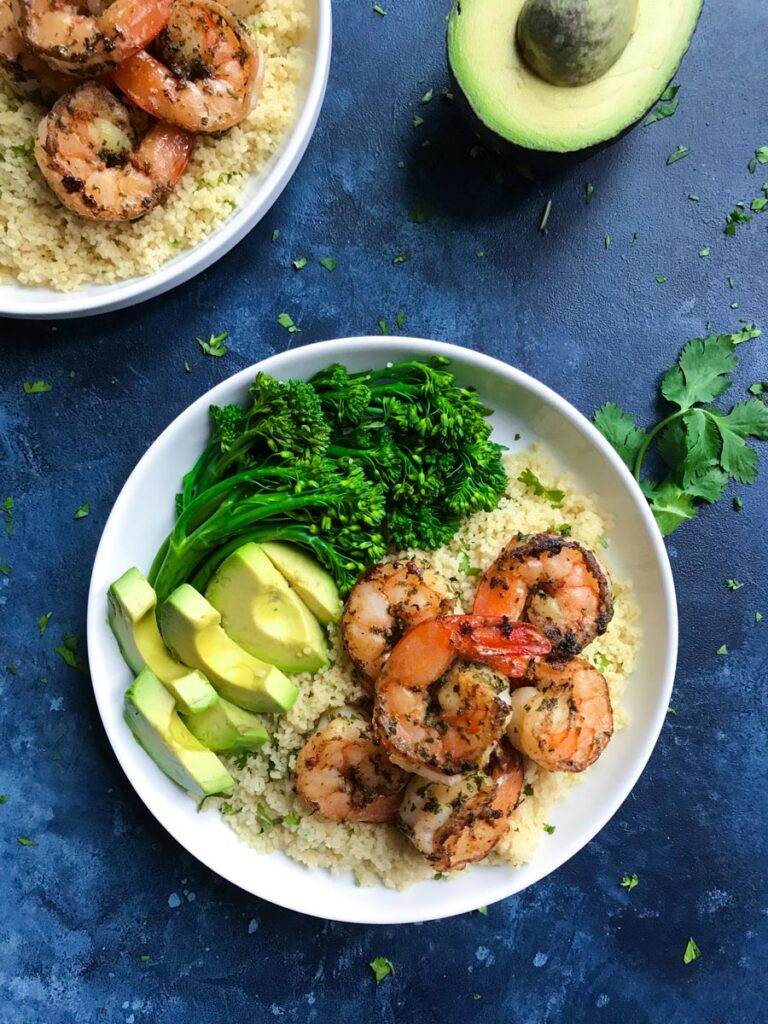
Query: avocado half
(517, 113)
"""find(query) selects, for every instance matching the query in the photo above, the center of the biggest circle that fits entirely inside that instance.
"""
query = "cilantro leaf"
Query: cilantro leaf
(629, 882)
(285, 321)
(747, 419)
(83, 511)
(465, 567)
(42, 622)
(619, 428)
(382, 968)
(531, 481)
(679, 154)
(25, 841)
(38, 387)
(69, 651)
(670, 504)
(692, 952)
(328, 262)
(215, 345)
(667, 106)
(300, 263)
(700, 372)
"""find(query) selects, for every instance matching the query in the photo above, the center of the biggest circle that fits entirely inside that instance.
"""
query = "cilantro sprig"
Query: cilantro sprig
(702, 446)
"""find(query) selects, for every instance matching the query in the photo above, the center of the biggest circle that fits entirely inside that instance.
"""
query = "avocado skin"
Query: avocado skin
(543, 160)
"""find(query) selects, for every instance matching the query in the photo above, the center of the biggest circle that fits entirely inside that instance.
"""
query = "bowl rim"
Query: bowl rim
(121, 294)
(411, 346)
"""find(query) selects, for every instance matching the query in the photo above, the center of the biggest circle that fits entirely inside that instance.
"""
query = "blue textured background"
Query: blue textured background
(105, 885)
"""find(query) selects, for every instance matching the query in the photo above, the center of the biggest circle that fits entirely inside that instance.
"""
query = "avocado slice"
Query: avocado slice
(151, 714)
(518, 113)
(309, 579)
(131, 613)
(226, 728)
(191, 627)
(261, 613)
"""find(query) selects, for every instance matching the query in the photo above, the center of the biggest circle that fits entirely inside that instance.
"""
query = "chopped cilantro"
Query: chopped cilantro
(379, 10)
(692, 952)
(706, 251)
(759, 388)
(42, 622)
(328, 262)
(144, 957)
(215, 345)
(549, 829)
(5, 569)
(69, 651)
(285, 321)
(760, 157)
(187, 367)
(266, 820)
(738, 504)
(465, 567)
(417, 121)
(4, 798)
(679, 154)
(480, 253)
(723, 649)
(427, 97)
(291, 819)
(400, 319)
(733, 219)
(545, 217)
(382, 968)
(527, 789)
(601, 661)
(635, 236)
(564, 530)
(731, 282)
(589, 191)
(38, 387)
(419, 213)
(383, 326)
(11, 670)
(671, 710)
(758, 204)
(758, 616)
(748, 333)
(24, 841)
(602, 542)
(402, 257)
(275, 235)
(693, 198)
(27, 149)
(532, 482)
(667, 106)
(629, 882)
(607, 241)
(300, 263)
(483, 911)
(733, 584)
(83, 511)
(660, 278)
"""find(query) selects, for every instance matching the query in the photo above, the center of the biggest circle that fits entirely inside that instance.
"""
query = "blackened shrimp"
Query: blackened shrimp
(385, 603)
(556, 584)
(29, 74)
(439, 710)
(83, 42)
(564, 720)
(457, 825)
(89, 154)
(204, 73)
(343, 775)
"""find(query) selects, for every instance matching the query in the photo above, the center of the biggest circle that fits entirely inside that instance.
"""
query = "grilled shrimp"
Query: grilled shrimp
(556, 584)
(27, 72)
(440, 717)
(343, 775)
(457, 825)
(89, 42)
(384, 604)
(564, 720)
(88, 152)
(206, 74)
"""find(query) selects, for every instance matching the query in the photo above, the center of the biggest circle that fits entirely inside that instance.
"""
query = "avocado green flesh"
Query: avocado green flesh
(228, 729)
(572, 42)
(191, 627)
(152, 717)
(519, 107)
(131, 614)
(312, 583)
(263, 615)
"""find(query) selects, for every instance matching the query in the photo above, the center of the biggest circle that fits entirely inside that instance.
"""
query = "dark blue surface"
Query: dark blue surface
(105, 885)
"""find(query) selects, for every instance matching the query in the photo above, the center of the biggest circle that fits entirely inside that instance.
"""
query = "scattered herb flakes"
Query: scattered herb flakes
(607, 241)
(83, 511)
(144, 957)
(383, 326)
(635, 236)
(483, 911)
(748, 332)
(738, 504)
(69, 651)
(417, 121)
(37, 387)
(693, 198)
(419, 213)
(465, 567)
(328, 262)
(731, 282)
(549, 829)
(291, 819)
(382, 968)
(527, 789)
(402, 257)
(480, 253)
(706, 251)
(733, 584)
(564, 530)
(629, 882)
(437, 876)
(671, 711)
(667, 106)
(7, 510)
(660, 278)
(215, 345)
(42, 622)
(602, 662)
(532, 482)
(602, 542)
(760, 157)
(299, 263)
(679, 154)
(266, 820)
(5, 569)
(477, 996)
(758, 204)
(400, 319)
(4, 798)
(735, 305)
(692, 952)
(427, 97)
(589, 191)
(545, 217)
(187, 367)
(702, 446)
(758, 388)
(12, 670)
(379, 10)
(275, 234)
(734, 219)
(25, 841)
(285, 321)
(723, 649)
(758, 616)
(27, 149)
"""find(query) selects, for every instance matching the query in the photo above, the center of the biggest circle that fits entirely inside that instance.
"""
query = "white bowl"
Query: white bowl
(259, 194)
(136, 528)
